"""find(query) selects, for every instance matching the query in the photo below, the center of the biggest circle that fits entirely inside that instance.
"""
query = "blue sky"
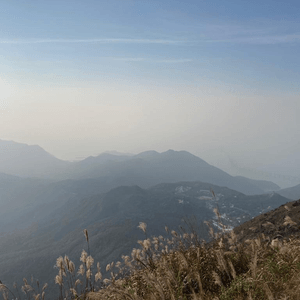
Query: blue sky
(232, 41)
(102, 75)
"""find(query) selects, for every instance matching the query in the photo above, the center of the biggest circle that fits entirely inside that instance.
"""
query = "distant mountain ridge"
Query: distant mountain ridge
(144, 169)
(149, 168)
(291, 192)
(266, 186)
(28, 161)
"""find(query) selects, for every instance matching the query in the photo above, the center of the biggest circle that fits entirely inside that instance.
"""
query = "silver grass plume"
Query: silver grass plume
(143, 226)
(83, 256)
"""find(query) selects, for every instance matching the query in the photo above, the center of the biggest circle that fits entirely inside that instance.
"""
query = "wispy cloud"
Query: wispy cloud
(129, 58)
(103, 41)
(174, 61)
(262, 32)
(140, 59)
(260, 40)
(250, 39)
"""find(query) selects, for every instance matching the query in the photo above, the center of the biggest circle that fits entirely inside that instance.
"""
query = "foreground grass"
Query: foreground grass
(180, 266)
(225, 270)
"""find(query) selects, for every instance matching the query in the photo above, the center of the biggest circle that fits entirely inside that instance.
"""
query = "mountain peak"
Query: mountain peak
(27, 160)
(149, 153)
(182, 154)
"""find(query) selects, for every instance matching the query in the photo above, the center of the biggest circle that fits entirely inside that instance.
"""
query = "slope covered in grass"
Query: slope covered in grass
(180, 265)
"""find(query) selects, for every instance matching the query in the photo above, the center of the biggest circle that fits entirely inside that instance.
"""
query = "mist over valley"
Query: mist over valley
(45, 209)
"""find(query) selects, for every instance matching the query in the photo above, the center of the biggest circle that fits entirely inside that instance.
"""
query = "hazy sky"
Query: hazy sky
(217, 78)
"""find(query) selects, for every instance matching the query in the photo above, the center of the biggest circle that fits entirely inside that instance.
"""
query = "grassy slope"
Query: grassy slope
(180, 266)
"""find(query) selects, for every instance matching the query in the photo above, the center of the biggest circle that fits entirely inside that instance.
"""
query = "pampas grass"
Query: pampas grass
(180, 266)
(225, 270)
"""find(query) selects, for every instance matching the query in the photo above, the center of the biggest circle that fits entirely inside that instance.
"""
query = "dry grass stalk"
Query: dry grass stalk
(183, 267)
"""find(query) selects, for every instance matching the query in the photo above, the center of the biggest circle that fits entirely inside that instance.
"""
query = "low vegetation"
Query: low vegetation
(180, 266)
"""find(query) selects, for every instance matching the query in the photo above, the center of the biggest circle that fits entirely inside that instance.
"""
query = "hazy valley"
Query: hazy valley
(45, 209)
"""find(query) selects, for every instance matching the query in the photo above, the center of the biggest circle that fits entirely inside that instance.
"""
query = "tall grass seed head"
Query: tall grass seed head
(143, 226)
(86, 234)
(81, 270)
(89, 262)
(83, 256)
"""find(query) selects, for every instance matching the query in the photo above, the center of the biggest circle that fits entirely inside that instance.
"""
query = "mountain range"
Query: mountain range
(46, 203)
(145, 169)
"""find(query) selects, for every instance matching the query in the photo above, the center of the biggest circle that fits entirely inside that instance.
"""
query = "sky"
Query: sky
(219, 79)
